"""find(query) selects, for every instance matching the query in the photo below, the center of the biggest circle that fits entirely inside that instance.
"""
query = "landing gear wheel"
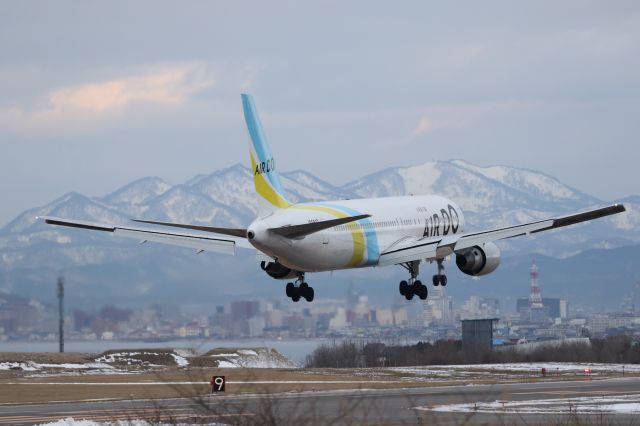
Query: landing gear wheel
(422, 292)
(296, 294)
(443, 280)
(403, 287)
(308, 294)
(436, 280)
(290, 289)
(409, 292)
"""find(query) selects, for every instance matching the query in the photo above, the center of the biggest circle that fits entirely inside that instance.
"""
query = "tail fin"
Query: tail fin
(265, 176)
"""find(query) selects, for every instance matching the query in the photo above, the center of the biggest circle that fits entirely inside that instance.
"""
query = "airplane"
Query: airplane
(299, 238)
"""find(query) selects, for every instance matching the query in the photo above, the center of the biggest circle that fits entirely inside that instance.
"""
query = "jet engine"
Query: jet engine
(277, 270)
(479, 260)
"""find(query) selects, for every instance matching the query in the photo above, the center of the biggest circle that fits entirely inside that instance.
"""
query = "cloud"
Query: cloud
(424, 126)
(445, 117)
(248, 75)
(440, 118)
(164, 86)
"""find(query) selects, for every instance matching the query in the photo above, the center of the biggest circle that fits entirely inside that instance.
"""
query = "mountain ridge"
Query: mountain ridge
(31, 251)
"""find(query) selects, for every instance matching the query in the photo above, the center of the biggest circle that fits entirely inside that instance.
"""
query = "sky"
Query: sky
(96, 94)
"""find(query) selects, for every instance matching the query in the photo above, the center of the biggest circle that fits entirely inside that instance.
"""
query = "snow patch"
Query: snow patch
(420, 179)
(437, 372)
(623, 404)
(34, 366)
(227, 364)
(251, 358)
(180, 360)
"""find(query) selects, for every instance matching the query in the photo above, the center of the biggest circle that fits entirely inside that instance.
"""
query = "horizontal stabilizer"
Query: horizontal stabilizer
(299, 231)
(234, 232)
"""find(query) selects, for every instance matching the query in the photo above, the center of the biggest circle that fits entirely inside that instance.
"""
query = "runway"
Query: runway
(408, 406)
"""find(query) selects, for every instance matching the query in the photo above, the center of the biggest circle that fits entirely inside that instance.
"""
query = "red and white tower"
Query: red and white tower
(535, 299)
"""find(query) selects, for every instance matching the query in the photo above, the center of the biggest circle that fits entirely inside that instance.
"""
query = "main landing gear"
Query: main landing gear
(300, 289)
(414, 286)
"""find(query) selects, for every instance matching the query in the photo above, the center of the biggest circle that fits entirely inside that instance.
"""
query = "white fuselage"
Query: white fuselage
(356, 244)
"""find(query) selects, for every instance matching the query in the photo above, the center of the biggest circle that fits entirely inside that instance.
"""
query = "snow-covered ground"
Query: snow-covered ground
(518, 369)
(250, 358)
(619, 404)
(34, 366)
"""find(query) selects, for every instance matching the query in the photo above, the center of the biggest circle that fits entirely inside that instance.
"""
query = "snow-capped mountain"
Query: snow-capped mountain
(31, 251)
(474, 188)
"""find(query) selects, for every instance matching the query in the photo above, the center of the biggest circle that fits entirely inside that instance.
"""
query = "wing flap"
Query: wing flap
(181, 240)
(474, 239)
(409, 249)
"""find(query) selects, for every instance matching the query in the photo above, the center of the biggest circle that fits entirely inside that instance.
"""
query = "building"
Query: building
(438, 308)
(556, 308)
(480, 307)
(244, 309)
(477, 334)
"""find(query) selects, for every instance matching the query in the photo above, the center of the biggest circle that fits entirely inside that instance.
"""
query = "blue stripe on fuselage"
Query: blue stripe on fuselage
(373, 251)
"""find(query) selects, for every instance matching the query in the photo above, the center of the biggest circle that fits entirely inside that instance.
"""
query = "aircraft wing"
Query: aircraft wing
(218, 244)
(410, 249)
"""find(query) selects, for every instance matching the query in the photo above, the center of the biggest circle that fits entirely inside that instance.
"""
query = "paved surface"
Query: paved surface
(387, 406)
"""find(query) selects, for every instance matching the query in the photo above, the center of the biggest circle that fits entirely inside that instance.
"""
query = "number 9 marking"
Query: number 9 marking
(218, 383)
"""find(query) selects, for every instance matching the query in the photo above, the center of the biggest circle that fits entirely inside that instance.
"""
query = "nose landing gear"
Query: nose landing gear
(440, 278)
(300, 290)
(414, 286)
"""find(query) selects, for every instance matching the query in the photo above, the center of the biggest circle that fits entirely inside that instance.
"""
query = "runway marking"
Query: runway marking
(229, 382)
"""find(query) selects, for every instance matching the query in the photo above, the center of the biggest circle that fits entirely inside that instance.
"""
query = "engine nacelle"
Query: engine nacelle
(479, 260)
(277, 270)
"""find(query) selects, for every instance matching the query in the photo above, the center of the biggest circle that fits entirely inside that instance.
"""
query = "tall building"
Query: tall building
(536, 311)
(631, 302)
(244, 309)
(438, 308)
(535, 299)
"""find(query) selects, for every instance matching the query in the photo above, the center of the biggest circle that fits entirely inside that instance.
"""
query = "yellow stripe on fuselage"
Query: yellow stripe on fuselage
(264, 188)
(357, 232)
